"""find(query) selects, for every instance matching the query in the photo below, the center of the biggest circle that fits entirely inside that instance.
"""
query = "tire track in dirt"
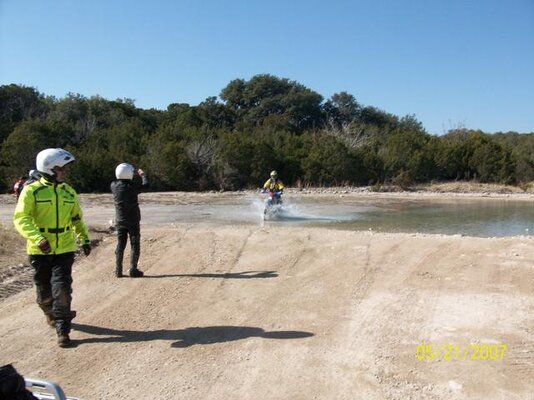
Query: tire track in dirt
(431, 285)
(263, 307)
(365, 298)
(395, 363)
(307, 261)
(249, 303)
(362, 281)
(233, 260)
(370, 313)
(14, 279)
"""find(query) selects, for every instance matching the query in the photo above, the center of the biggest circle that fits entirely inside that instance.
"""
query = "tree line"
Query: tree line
(233, 140)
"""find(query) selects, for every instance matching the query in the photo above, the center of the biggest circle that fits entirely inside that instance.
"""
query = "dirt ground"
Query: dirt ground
(269, 312)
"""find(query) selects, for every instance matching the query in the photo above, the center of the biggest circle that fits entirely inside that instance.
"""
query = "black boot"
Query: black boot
(63, 340)
(118, 262)
(136, 273)
(63, 330)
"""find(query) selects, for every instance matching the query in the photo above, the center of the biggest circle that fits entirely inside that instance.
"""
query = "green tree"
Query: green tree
(73, 110)
(94, 168)
(266, 100)
(166, 159)
(181, 116)
(522, 147)
(476, 155)
(19, 103)
(127, 140)
(342, 109)
(374, 116)
(407, 153)
(409, 123)
(19, 150)
(248, 159)
(329, 163)
(215, 115)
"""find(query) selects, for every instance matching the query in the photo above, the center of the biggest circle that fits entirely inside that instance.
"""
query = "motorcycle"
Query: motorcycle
(273, 204)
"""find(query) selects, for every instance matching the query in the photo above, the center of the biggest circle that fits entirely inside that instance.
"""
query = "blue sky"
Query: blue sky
(452, 63)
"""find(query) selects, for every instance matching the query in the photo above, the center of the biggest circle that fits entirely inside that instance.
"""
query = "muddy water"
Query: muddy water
(483, 218)
(472, 218)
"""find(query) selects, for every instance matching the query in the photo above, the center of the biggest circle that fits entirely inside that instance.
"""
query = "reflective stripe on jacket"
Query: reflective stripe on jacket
(48, 210)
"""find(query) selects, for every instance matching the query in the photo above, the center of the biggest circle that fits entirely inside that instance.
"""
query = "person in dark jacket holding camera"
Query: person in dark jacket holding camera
(128, 215)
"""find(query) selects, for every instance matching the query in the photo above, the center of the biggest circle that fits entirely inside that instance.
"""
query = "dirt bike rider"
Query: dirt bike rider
(275, 186)
(49, 216)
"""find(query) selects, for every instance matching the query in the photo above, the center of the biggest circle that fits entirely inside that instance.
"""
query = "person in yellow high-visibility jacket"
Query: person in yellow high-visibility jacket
(274, 184)
(49, 216)
(275, 188)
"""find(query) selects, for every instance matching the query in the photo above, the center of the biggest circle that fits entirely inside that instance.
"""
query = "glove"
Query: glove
(86, 249)
(44, 246)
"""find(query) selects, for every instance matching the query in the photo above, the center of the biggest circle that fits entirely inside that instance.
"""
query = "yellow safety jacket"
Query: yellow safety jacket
(273, 185)
(50, 210)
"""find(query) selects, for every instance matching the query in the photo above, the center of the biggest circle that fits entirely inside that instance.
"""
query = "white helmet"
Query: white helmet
(49, 158)
(124, 171)
(33, 174)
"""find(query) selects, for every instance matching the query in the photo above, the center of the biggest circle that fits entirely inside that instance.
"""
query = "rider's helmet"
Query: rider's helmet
(49, 158)
(274, 174)
(124, 171)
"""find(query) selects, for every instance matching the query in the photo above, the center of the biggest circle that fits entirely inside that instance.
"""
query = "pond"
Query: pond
(483, 218)
(495, 217)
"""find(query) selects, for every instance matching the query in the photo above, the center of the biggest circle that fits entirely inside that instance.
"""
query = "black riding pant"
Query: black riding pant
(123, 231)
(53, 282)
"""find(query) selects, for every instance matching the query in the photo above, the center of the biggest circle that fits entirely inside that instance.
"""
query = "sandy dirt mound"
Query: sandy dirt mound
(258, 312)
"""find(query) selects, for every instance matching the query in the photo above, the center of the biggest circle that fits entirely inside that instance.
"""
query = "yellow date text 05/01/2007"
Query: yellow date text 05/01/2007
(453, 352)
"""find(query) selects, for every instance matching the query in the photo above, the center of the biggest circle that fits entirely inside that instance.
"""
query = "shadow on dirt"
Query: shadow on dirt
(182, 338)
(225, 275)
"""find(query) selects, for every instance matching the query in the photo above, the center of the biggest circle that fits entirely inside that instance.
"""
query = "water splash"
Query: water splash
(292, 212)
